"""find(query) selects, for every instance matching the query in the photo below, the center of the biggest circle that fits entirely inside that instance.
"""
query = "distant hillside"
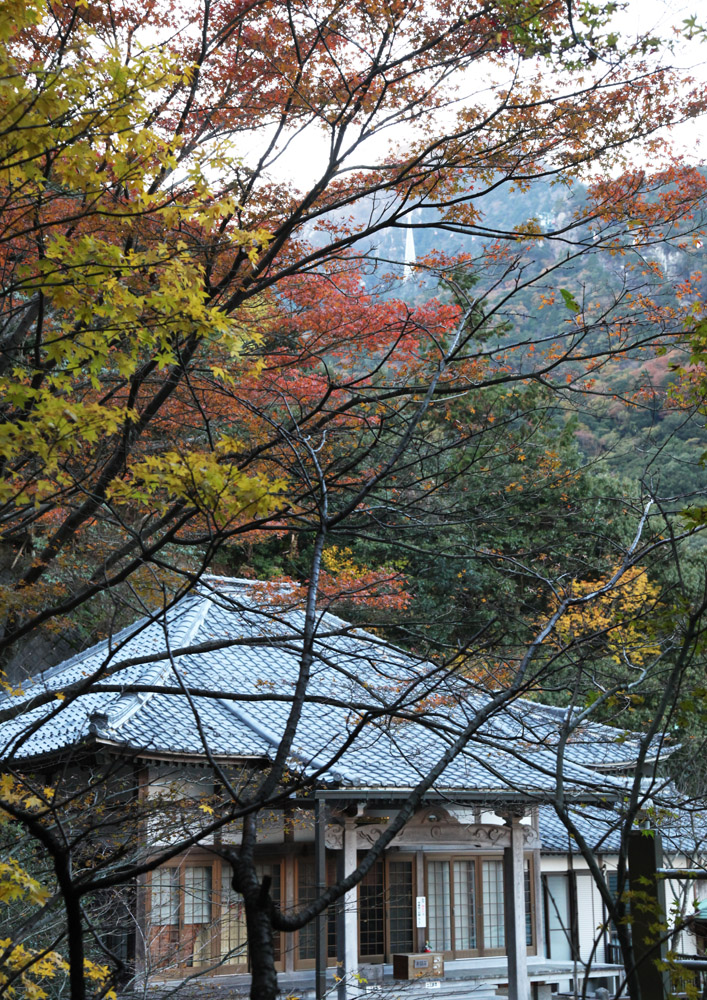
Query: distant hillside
(630, 422)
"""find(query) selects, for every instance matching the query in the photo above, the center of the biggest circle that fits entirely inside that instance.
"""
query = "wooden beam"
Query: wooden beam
(514, 910)
(320, 813)
(347, 919)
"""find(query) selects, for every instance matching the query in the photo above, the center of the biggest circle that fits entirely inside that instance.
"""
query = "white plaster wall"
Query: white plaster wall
(271, 830)
(560, 863)
(493, 819)
(184, 787)
(302, 826)
(590, 916)
(490, 818)
(553, 863)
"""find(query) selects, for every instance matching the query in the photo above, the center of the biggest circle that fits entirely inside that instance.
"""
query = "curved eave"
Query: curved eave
(91, 743)
(169, 755)
(451, 794)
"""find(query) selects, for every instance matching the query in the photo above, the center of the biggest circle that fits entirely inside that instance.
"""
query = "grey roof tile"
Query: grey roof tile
(511, 754)
(683, 832)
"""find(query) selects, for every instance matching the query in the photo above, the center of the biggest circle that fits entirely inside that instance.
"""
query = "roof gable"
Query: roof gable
(222, 665)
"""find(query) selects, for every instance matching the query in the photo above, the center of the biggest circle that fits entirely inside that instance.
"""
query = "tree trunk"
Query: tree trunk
(261, 951)
(258, 915)
(633, 988)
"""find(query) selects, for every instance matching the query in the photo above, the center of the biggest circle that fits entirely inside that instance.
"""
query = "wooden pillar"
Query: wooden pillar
(347, 919)
(537, 899)
(648, 914)
(514, 909)
(420, 932)
(289, 902)
(320, 938)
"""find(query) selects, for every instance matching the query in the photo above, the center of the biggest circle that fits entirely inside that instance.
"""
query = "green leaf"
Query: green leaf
(569, 300)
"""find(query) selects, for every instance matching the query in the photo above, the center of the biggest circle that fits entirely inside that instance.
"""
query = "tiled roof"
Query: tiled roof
(599, 827)
(228, 695)
(592, 744)
(683, 832)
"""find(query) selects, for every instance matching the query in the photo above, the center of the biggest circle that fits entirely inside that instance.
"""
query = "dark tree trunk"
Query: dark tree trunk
(74, 925)
(633, 988)
(258, 915)
(261, 951)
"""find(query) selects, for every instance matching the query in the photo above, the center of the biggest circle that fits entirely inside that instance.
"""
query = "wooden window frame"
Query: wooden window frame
(214, 966)
(480, 951)
(387, 955)
(294, 942)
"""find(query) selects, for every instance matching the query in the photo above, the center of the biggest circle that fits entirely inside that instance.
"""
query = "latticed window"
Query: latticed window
(464, 905)
(399, 906)
(528, 905)
(385, 910)
(439, 915)
(197, 920)
(180, 916)
(493, 904)
(165, 897)
(371, 912)
(197, 895)
(232, 933)
(232, 926)
(307, 893)
(613, 946)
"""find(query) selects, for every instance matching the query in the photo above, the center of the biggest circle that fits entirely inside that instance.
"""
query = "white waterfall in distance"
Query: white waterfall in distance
(410, 255)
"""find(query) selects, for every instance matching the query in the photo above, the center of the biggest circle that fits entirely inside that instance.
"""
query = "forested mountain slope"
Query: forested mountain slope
(633, 420)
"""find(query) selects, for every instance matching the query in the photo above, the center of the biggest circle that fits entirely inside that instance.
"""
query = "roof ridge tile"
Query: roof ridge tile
(118, 713)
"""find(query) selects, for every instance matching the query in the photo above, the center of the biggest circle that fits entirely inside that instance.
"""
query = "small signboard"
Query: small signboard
(421, 911)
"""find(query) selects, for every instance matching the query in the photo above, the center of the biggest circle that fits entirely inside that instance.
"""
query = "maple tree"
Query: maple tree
(28, 968)
(192, 351)
(138, 286)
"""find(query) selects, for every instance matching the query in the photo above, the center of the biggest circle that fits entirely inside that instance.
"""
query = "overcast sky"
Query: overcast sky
(307, 153)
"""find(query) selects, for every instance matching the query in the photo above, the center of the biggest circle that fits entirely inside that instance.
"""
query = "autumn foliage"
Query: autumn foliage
(206, 343)
(193, 349)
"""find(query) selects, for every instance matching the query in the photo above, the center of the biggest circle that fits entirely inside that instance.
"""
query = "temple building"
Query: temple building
(188, 709)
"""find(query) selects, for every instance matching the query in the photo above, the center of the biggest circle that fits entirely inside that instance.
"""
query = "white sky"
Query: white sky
(307, 152)
(658, 16)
